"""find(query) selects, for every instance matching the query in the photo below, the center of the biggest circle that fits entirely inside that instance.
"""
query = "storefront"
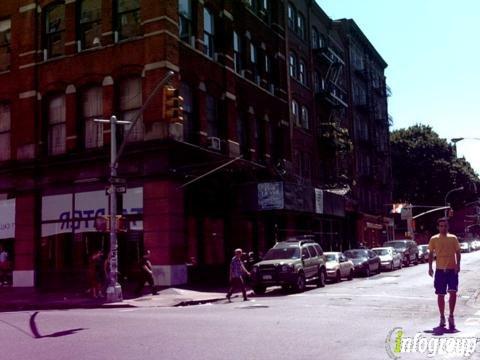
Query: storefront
(7, 231)
(69, 238)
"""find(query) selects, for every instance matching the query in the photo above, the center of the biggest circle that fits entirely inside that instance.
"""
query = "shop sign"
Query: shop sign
(270, 196)
(7, 219)
(66, 212)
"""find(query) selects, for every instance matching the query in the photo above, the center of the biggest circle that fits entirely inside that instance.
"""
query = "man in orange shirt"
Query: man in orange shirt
(447, 251)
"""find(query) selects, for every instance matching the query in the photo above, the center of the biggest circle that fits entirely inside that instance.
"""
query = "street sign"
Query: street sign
(122, 189)
(117, 181)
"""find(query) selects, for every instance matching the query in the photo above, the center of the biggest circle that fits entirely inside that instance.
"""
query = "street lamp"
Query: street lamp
(114, 289)
(460, 188)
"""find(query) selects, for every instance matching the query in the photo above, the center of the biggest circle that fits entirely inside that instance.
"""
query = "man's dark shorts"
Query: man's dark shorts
(445, 279)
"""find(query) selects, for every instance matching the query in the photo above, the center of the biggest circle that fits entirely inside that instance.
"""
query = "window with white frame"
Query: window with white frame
(237, 57)
(92, 108)
(130, 103)
(55, 30)
(292, 64)
(301, 73)
(90, 23)
(185, 25)
(305, 119)
(315, 38)
(5, 39)
(301, 25)
(5, 132)
(292, 16)
(127, 16)
(295, 112)
(208, 33)
(56, 125)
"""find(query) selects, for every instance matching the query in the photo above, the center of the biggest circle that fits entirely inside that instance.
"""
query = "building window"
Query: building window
(55, 30)
(254, 62)
(295, 113)
(188, 112)
(130, 104)
(301, 73)
(92, 108)
(301, 26)
(260, 139)
(208, 32)
(90, 25)
(305, 119)
(292, 65)
(316, 82)
(5, 38)
(292, 16)
(242, 135)
(56, 125)
(315, 38)
(237, 58)
(128, 18)
(5, 131)
(212, 116)
(185, 17)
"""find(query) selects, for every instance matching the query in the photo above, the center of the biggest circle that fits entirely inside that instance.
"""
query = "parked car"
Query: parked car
(475, 244)
(407, 248)
(365, 261)
(423, 253)
(465, 245)
(338, 266)
(389, 258)
(291, 263)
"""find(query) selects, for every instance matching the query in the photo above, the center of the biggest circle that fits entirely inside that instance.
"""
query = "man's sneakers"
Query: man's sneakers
(228, 298)
(451, 323)
(442, 321)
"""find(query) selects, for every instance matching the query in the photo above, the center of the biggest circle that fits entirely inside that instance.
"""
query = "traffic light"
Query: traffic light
(172, 105)
(102, 223)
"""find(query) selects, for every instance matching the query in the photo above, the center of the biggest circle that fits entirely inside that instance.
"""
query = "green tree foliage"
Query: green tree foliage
(425, 167)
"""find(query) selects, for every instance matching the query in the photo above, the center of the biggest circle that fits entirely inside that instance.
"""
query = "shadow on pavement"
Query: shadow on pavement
(36, 333)
(440, 330)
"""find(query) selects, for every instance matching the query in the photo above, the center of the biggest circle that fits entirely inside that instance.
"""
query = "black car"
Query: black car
(407, 248)
(365, 261)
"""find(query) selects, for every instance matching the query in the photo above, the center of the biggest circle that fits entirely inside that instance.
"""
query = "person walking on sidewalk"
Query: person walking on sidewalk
(447, 251)
(3, 266)
(146, 274)
(237, 269)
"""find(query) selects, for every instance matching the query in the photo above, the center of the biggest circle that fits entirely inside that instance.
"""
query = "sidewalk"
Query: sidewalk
(18, 299)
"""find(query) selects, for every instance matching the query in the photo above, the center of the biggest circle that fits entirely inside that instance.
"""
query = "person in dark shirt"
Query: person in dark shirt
(146, 274)
(237, 269)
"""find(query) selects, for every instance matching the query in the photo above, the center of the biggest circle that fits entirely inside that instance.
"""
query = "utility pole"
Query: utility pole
(114, 289)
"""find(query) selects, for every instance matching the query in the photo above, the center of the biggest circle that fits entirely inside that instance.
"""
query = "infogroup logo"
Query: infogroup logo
(396, 344)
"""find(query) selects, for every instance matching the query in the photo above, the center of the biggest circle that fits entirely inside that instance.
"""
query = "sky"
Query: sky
(432, 51)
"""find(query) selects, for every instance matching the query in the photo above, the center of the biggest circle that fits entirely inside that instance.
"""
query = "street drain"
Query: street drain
(253, 307)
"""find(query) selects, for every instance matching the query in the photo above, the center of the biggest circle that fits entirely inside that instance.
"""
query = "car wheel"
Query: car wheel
(321, 278)
(338, 277)
(350, 275)
(259, 289)
(300, 284)
(367, 271)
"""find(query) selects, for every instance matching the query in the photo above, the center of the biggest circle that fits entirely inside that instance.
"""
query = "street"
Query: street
(348, 320)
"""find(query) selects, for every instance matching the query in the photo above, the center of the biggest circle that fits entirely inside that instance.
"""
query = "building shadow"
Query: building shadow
(37, 335)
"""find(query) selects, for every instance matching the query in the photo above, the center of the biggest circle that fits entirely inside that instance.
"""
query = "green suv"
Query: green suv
(291, 263)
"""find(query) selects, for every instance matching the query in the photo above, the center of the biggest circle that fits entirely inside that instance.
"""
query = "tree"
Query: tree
(425, 167)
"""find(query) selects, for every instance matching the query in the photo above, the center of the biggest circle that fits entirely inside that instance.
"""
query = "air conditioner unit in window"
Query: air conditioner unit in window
(214, 143)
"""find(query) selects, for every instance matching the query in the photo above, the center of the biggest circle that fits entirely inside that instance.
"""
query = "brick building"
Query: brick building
(246, 98)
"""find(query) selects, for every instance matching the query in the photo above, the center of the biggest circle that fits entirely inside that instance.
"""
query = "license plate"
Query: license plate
(267, 277)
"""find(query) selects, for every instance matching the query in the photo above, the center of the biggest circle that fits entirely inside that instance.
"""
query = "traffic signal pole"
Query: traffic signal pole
(114, 289)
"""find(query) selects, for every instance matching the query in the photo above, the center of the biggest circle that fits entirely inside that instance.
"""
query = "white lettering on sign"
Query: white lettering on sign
(7, 219)
(61, 215)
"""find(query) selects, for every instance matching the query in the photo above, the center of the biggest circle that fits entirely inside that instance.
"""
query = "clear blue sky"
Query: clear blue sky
(432, 48)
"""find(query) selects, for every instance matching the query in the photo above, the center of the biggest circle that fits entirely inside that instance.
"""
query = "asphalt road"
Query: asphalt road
(349, 320)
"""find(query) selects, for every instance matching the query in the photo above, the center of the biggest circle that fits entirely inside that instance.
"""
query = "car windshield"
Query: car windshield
(292, 252)
(381, 251)
(331, 257)
(397, 245)
(355, 254)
